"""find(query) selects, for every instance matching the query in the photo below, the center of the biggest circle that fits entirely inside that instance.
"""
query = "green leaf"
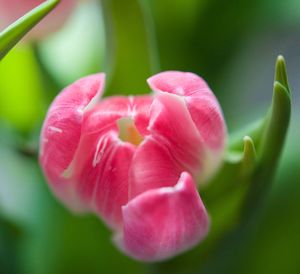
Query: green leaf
(269, 142)
(251, 161)
(267, 134)
(272, 140)
(255, 130)
(15, 32)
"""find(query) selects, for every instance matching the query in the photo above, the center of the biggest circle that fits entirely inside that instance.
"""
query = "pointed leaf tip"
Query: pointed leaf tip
(249, 156)
(249, 148)
(280, 72)
(10, 36)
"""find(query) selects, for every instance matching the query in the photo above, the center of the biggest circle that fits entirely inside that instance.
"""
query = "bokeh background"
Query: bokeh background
(232, 44)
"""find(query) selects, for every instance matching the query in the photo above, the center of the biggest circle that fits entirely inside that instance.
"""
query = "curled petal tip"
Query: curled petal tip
(177, 82)
(164, 222)
(62, 130)
(202, 112)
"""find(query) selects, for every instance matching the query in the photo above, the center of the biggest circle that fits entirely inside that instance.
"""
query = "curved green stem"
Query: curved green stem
(131, 53)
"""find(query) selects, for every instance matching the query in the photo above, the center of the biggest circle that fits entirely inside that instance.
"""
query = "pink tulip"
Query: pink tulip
(11, 10)
(136, 161)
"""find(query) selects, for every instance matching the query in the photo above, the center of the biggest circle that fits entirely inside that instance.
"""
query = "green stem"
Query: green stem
(131, 53)
(50, 85)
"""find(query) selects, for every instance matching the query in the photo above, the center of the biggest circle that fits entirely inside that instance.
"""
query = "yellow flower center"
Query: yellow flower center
(128, 131)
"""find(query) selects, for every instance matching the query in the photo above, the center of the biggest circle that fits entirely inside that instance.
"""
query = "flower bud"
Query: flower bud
(135, 161)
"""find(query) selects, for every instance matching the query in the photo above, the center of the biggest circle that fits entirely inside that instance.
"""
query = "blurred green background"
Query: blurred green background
(232, 44)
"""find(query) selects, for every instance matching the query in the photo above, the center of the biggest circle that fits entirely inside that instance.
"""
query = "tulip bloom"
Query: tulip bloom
(136, 161)
(11, 10)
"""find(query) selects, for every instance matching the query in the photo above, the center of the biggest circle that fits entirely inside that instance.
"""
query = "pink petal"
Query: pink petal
(101, 174)
(164, 222)
(173, 147)
(104, 115)
(153, 166)
(202, 106)
(141, 112)
(171, 125)
(102, 161)
(180, 83)
(207, 116)
(62, 129)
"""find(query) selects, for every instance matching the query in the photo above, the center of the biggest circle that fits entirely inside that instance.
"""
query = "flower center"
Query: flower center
(128, 131)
